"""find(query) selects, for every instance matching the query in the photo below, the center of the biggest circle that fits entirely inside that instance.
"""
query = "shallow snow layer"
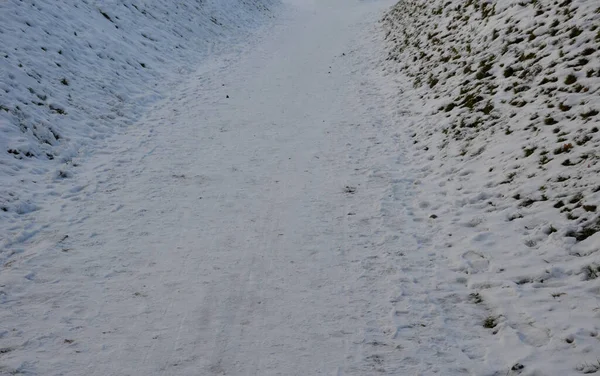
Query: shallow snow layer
(505, 99)
(271, 215)
(74, 73)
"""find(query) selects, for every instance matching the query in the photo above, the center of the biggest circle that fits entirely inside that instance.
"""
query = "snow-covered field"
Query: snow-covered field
(332, 187)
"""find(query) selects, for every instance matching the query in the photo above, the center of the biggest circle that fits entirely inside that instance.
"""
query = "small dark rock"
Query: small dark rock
(517, 367)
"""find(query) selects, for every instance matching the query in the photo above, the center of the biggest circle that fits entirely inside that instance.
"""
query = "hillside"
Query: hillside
(74, 73)
(506, 143)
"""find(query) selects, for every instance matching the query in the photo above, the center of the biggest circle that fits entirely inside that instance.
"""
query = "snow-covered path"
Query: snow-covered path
(252, 224)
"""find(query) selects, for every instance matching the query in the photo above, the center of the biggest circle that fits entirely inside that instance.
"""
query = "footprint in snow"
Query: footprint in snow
(350, 190)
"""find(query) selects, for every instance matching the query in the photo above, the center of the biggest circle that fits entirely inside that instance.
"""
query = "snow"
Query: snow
(74, 73)
(508, 167)
(281, 198)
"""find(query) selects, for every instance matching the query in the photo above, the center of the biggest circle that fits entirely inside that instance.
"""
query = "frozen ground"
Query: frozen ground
(273, 215)
(257, 234)
(74, 73)
(504, 98)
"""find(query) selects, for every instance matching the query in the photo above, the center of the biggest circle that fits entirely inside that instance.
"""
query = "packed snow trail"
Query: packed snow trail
(253, 224)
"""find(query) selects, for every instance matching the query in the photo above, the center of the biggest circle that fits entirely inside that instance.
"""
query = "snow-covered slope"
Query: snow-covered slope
(506, 101)
(73, 72)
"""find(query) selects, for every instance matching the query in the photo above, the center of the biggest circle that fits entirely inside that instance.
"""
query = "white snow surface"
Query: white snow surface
(73, 73)
(270, 215)
(508, 168)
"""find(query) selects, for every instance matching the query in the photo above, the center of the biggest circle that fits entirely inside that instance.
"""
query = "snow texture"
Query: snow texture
(294, 189)
(73, 73)
(504, 97)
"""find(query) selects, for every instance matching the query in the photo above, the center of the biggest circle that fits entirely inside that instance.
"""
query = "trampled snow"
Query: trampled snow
(270, 193)
(74, 73)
